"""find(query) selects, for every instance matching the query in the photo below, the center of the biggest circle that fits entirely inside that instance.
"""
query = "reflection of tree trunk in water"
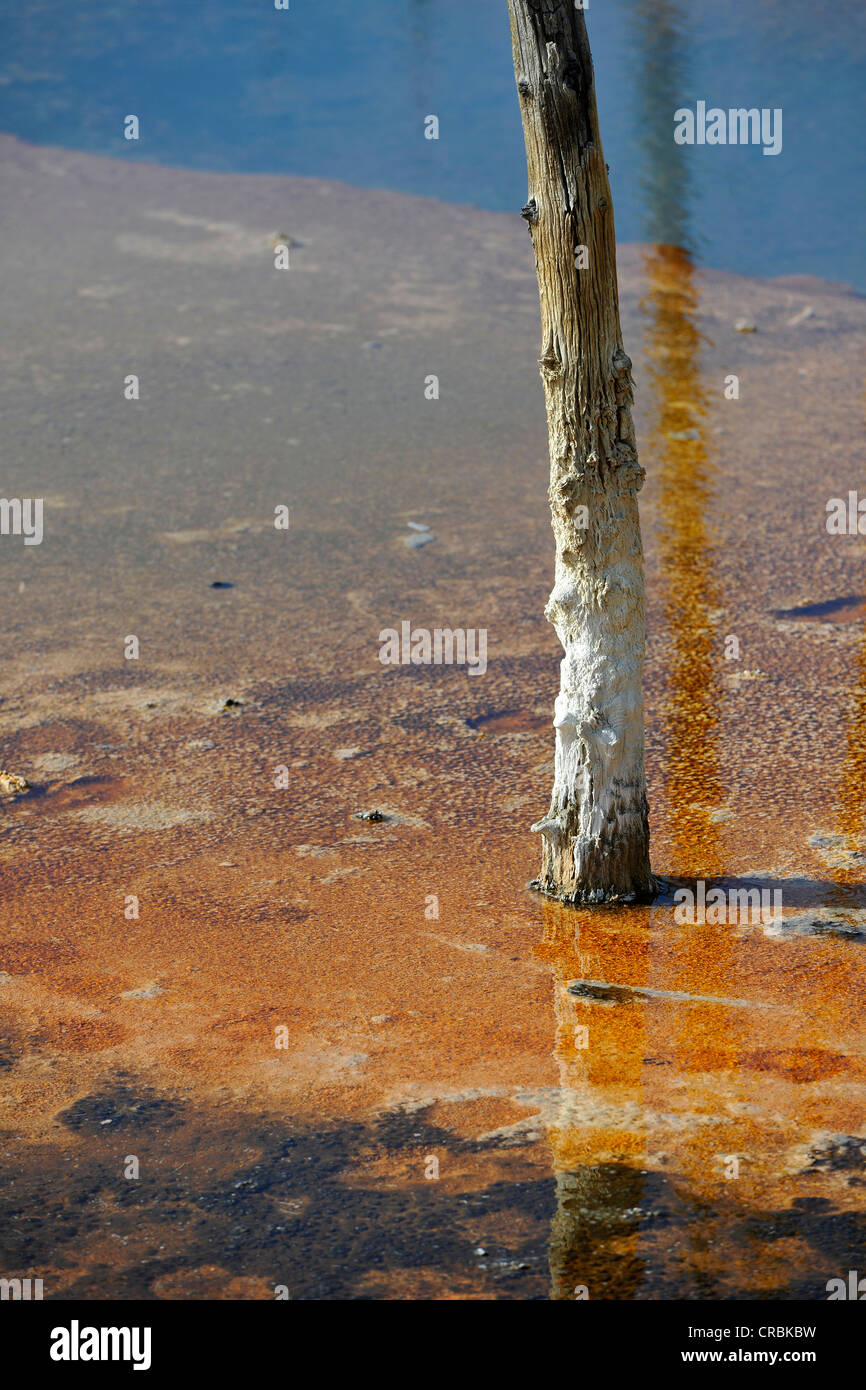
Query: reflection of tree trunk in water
(852, 788)
(678, 446)
(594, 1230)
(660, 80)
(726, 1046)
(596, 835)
(590, 1207)
(420, 49)
(701, 1038)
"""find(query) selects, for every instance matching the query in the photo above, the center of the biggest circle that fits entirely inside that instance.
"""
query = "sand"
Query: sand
(579, 1141)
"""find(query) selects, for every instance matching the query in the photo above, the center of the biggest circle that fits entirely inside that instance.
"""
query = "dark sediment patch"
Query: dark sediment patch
(258, 1198)
(227, 1196)
(510, 721)
(132, 1109)
(831, 610)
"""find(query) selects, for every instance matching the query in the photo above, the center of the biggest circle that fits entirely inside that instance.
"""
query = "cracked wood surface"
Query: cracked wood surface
(595, 835)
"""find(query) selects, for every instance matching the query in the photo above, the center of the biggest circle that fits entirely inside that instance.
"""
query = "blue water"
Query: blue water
(340, 90)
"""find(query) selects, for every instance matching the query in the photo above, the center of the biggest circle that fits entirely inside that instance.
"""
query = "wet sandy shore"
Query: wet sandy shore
(581, 1136)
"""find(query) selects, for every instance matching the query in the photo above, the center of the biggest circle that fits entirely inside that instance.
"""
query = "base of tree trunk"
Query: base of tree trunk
(596, 833)
(608, 874)
(594, 897)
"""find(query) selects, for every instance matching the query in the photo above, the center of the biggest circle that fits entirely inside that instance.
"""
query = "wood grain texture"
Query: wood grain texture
(596, 836)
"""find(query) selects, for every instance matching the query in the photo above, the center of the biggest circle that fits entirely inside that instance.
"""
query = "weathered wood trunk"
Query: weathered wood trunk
(596, 836)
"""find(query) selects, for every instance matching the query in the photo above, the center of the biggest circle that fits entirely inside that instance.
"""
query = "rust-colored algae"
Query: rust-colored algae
(696, 1134)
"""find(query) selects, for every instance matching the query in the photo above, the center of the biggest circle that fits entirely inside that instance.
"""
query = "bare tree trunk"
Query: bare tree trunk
(596, 836)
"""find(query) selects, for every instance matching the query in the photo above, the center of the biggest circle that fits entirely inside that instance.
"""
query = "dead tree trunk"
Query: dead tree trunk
(596, 835)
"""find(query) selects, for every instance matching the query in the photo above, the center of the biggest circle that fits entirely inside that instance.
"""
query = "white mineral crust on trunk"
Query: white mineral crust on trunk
(596, 839)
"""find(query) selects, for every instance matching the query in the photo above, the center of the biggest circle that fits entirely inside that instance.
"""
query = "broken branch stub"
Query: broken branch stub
(596, 834)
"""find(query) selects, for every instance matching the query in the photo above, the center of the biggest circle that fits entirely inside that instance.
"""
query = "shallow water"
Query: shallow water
(583, 1135)
(342, 92)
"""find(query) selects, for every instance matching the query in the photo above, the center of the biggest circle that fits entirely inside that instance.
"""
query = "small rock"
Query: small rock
(807, 313)
(479, 1250)
(381, 1018)
(221, 584)
(415, 542)
(683, 434)
(745, 326)
(230, 703)
(13, 785)
(417, 526)
(371, 344)
(820, 923)
(836, 1152)
(370, 815)
(345, 753)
